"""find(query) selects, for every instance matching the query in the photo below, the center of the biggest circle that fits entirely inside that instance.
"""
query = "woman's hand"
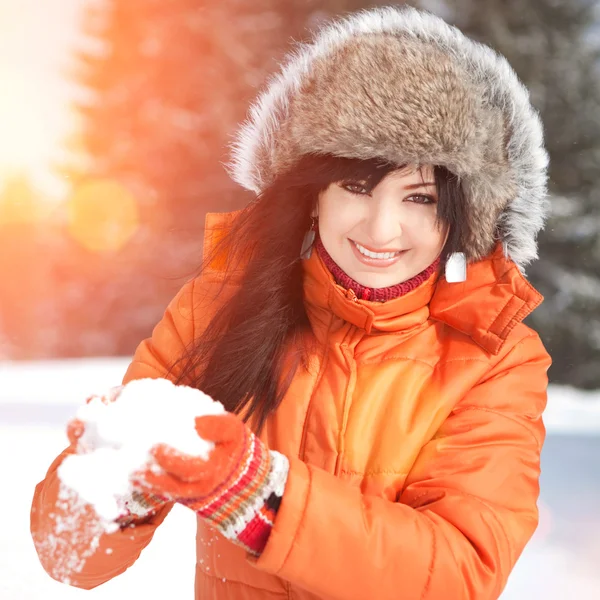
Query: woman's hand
(181, 476)
(237, 489)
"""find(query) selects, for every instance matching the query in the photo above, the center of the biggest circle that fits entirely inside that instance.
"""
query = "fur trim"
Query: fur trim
(403, 85)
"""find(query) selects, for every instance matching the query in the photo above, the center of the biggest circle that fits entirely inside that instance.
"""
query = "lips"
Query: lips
(375, 262)
(380, 254)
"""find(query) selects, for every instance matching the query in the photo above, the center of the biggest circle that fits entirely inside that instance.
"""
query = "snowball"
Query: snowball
(119, 435)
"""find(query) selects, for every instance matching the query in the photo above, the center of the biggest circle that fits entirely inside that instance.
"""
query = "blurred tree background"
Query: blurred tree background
(555, 48)
(164, 86)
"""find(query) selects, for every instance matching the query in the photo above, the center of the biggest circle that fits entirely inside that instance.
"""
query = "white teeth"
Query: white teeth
(379, 255)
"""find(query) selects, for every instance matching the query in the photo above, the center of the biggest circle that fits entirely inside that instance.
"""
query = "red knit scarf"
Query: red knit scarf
(373, 294)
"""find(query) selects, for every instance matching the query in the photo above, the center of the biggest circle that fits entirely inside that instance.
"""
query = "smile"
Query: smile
(379, 259)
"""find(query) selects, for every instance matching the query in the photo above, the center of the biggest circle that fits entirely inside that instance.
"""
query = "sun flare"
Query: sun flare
(102, 215)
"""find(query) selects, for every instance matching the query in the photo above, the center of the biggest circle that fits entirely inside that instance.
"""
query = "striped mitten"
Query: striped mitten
(237, 490)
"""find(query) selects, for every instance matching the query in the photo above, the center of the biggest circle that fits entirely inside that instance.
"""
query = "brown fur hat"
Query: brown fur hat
(402, 85)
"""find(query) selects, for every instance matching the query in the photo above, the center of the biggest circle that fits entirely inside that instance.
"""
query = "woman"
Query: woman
(395, 393)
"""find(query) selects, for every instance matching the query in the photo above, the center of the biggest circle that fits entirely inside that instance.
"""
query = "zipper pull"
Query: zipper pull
(351, 295)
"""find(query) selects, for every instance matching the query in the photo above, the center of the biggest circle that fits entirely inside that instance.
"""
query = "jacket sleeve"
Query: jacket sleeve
(67, 540)
(461, 520)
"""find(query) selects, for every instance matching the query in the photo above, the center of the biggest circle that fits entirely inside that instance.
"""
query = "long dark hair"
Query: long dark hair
(251, 348)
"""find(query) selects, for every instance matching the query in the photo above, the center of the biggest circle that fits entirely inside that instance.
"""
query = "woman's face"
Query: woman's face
(387, 236)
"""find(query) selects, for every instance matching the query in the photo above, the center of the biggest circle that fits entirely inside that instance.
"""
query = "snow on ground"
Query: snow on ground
(65, 382)
(36, 399)
(572, 411)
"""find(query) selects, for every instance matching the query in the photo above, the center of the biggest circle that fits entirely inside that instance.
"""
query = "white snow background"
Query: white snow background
(37, 398)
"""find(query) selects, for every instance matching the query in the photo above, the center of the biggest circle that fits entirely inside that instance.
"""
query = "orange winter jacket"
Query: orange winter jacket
(414, 437)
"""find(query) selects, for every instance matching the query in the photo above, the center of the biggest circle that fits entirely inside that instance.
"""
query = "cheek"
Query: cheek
(435, 239)
(423, 228)
(336, 218)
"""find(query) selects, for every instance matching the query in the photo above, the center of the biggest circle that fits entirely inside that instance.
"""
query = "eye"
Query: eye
(421, 199)
(355, 188)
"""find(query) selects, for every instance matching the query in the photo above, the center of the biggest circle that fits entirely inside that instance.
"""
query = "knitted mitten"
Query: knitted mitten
(239, 487)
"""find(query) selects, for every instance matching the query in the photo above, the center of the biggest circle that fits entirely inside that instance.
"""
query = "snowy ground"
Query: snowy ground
(36, 399)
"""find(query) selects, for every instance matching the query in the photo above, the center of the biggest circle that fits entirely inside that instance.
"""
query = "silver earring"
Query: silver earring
(309, 240)
(456, 268)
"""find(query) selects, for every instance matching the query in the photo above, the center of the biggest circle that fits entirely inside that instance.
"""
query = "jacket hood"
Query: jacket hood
(403, 85)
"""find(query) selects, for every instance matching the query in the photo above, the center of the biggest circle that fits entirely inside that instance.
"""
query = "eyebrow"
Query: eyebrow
(414, 186)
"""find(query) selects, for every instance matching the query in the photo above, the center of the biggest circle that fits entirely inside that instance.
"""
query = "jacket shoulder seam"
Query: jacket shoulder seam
(432, 365)
(464, 359)
(395, 357)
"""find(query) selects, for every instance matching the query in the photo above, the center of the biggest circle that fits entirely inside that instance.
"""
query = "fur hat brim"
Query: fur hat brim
(402, 85)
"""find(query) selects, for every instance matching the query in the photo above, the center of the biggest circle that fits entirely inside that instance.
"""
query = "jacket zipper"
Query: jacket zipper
(302, 449)
(351, 295)
(349, 356)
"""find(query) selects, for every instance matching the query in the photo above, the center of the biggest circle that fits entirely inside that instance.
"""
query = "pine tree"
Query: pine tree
(554, 47)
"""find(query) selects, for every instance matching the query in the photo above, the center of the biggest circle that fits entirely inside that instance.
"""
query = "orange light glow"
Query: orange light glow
(103, 215)
(19, 203)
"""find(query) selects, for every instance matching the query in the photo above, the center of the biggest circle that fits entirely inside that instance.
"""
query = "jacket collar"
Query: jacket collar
(400, 314)
(486, 307)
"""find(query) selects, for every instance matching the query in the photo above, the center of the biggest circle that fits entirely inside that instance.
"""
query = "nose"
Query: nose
(382, 226)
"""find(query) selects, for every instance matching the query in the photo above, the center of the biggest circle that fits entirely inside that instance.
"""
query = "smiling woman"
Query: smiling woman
(378, 438)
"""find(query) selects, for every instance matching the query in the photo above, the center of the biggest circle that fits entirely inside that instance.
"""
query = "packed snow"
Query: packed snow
(119, 435)
(37, 399)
